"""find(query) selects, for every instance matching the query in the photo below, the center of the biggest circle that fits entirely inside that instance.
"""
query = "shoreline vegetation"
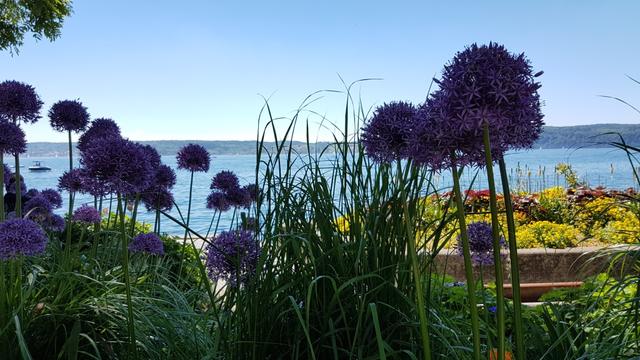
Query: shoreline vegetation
(552, 137)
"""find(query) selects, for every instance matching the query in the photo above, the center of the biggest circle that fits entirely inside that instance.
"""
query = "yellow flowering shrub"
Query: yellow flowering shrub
(596, 214)
(624, 230)
(547, 234)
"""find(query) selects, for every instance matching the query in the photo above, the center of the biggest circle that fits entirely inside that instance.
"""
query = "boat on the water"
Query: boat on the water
(37, 166)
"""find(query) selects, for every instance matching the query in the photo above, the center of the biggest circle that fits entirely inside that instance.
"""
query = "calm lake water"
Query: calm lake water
(530, 170)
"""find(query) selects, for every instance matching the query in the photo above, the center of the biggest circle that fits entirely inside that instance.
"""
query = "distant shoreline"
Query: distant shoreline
(553, 137)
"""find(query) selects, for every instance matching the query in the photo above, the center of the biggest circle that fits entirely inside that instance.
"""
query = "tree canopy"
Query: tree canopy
(42, 18)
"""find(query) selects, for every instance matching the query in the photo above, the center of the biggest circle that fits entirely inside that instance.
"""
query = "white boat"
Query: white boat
(37, 166)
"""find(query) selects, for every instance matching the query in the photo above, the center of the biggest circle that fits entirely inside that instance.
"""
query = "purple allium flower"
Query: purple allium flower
(12, 138)
(54, 223)
(194, 157)
(239, 198)
(68, 115)
(87, 214)
(148, 243)
(225, 181)
(53, 196)
(21, 237)
(99, 129)
(38, 207)
(165, 177)
(71, 181)
(19, 102)
(218, 201)
(385, 136)
(152, 155)
(480, 243)
(119, 164)
(31, 193)
(232, 257)
(8, 174)
(157, 198)
(482, 85)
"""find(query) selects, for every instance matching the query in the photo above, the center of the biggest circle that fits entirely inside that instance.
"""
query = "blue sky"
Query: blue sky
(196, 69)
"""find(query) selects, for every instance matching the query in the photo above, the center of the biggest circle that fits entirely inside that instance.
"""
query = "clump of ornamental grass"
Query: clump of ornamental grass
(318, 291)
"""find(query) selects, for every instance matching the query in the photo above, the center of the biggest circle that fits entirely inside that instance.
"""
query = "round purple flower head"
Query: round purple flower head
(38, 207)
(99, 129)
(485, 85)
(54, 223)
(480, 243)
(21, 237)
(8, 174)
(68, 115)
(119, 164)
(71, 181)
(31, 193)
(385, 136)
(148, 243)
(239, 197)
(194, 157)
(225, 181)
(12, 138)
(165, 177)
(157, 198)
(152, 155)
(19, 102)
(86, 214)
(53, 197)
(232, 257)
(218, 201)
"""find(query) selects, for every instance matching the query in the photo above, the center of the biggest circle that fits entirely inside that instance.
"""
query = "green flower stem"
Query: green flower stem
(127, 281)
(70, 153)
(2, 187)
(18, 206)
(186, 231)
(411, 245)
(513, 255)
(497, 261)
(134, 214)
(468, 267)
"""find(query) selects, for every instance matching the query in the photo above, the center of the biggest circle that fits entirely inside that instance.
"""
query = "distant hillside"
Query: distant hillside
(553, 137)
(587, 135)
